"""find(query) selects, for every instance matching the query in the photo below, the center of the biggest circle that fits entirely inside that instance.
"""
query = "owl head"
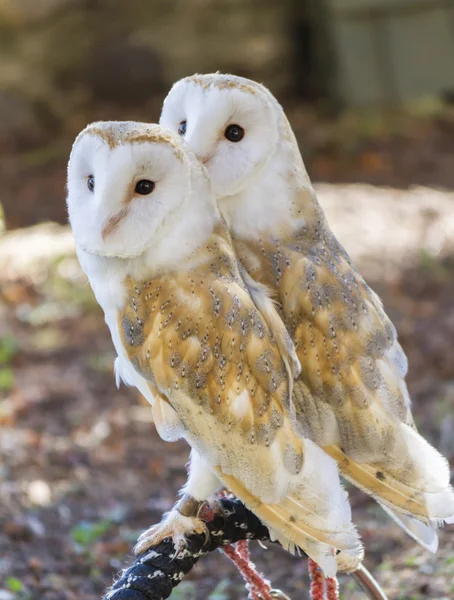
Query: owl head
(231, 123)
(124, 180)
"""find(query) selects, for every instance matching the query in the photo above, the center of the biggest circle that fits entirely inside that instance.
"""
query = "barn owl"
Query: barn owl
(188, 335)
(351, 397)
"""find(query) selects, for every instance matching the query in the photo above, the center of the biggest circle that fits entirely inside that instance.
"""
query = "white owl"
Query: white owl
(351, 397)
(159, 258)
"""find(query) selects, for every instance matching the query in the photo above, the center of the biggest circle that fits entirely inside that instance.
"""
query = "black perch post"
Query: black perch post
(158, 570)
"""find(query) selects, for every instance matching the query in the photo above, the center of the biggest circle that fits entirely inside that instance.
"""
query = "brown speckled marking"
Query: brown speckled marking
(200, 332)
(117, 133)
(224, 82)
(339, 328)
(198, 338)
(293, 461)
(351, 392)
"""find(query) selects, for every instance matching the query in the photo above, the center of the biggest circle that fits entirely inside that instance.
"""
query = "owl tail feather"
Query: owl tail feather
(415, 485)
(315, 515)
(425, 535)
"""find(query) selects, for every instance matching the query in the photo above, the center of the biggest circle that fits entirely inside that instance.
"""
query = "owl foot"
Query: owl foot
(175, 525)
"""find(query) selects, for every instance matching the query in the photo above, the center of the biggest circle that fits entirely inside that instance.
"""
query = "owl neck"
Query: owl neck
(280, 200)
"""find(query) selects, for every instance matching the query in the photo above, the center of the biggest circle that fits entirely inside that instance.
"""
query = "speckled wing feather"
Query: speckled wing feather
(351, 397)
(197, 337)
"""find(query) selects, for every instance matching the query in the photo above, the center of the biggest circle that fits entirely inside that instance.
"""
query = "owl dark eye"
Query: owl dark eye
(91, 183)
(234, 133)
(182, 128)
(144, 187)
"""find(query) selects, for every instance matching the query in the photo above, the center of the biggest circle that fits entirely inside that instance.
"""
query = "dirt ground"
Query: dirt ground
(82, 470)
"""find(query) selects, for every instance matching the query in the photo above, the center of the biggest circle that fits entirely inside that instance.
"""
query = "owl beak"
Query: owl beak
(204, 159)
(113, 222)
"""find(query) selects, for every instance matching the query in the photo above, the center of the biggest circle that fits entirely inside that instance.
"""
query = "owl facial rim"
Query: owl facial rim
(113, 219)
(209, 105)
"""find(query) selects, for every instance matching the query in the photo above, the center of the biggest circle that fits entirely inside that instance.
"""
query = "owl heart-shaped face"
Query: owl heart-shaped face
(123, 179)
(229, 122)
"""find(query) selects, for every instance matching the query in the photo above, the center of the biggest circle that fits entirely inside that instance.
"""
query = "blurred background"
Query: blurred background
(368, 86)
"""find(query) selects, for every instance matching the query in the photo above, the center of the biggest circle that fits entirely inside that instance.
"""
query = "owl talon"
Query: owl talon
(279, 594)
(175, 526)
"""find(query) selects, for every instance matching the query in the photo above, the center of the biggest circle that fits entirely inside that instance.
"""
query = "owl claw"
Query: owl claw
(279, 594)
(175, 526)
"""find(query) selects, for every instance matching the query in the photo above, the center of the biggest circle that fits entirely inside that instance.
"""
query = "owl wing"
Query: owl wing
(200, 341)
(352, 363)
(351, 397)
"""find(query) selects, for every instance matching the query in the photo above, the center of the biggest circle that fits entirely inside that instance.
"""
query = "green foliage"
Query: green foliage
(14, 585)
(411, 561)
(6, 378)
(101, 362)
(85, 533)
(426, 107)
(185, 591)
(44, 156)
(220, 591)
(439, 271)
(8, 349)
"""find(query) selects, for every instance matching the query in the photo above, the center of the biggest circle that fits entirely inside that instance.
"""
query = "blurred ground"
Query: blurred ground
(82, 469)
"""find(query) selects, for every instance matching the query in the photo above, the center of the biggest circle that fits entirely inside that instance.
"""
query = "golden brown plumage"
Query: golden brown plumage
(188, 335)
(351, 397)
(342, 336)
(197, 337)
